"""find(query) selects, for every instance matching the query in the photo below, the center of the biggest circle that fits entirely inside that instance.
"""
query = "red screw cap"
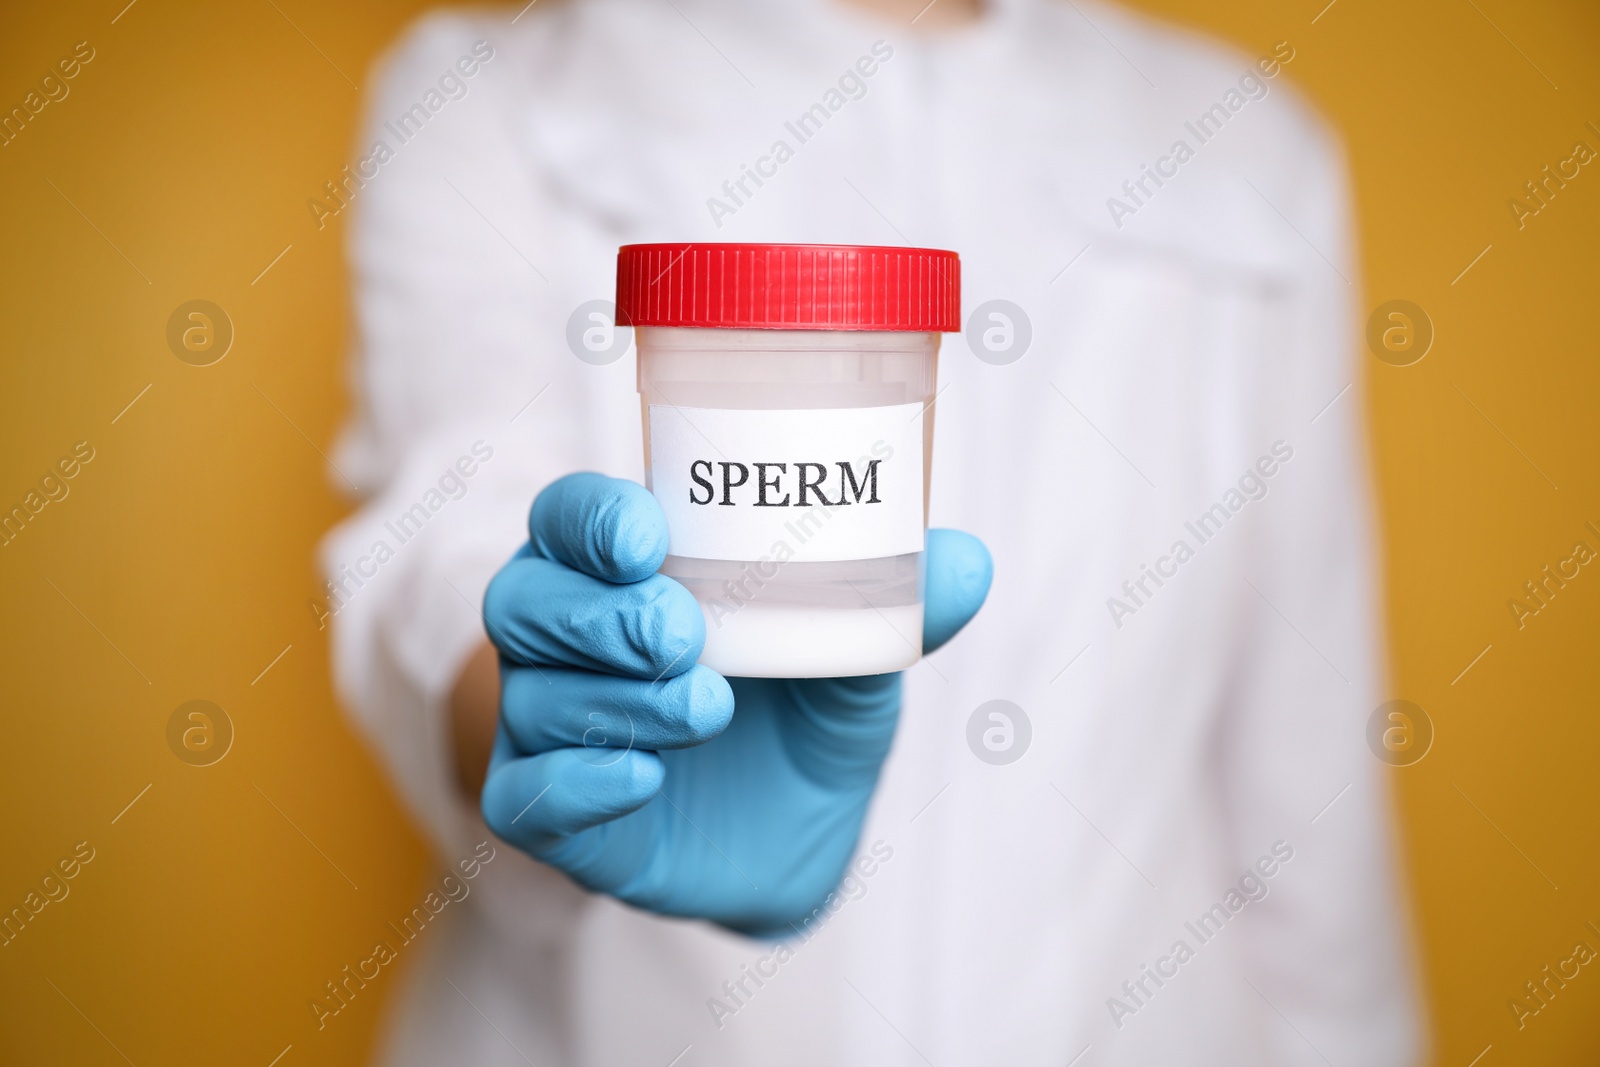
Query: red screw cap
(789, 287)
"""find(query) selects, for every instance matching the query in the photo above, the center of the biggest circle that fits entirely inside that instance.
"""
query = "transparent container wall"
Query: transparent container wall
(798, 619)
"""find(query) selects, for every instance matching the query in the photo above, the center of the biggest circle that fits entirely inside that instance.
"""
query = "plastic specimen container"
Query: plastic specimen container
(787, 393)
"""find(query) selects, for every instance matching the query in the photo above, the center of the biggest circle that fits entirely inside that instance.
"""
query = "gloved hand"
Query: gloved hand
(621, 761)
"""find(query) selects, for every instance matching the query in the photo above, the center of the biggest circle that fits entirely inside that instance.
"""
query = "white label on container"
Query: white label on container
(825, 484)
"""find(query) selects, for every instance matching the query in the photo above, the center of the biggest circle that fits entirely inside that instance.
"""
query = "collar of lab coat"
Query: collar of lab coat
(638, 133)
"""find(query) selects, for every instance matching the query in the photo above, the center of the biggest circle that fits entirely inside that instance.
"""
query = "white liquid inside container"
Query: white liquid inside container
(807, 620)
(800, 642)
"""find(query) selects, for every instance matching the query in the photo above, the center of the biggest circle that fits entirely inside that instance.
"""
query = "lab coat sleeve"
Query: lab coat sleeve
(1329, 945)
(462, 410)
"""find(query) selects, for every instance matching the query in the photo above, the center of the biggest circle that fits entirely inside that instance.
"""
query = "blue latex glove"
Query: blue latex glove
(620, 761)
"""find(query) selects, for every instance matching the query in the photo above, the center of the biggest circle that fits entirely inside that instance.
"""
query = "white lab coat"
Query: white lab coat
(1173, 745)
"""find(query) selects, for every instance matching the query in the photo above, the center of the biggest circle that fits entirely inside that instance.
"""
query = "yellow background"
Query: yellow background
(180, 564)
